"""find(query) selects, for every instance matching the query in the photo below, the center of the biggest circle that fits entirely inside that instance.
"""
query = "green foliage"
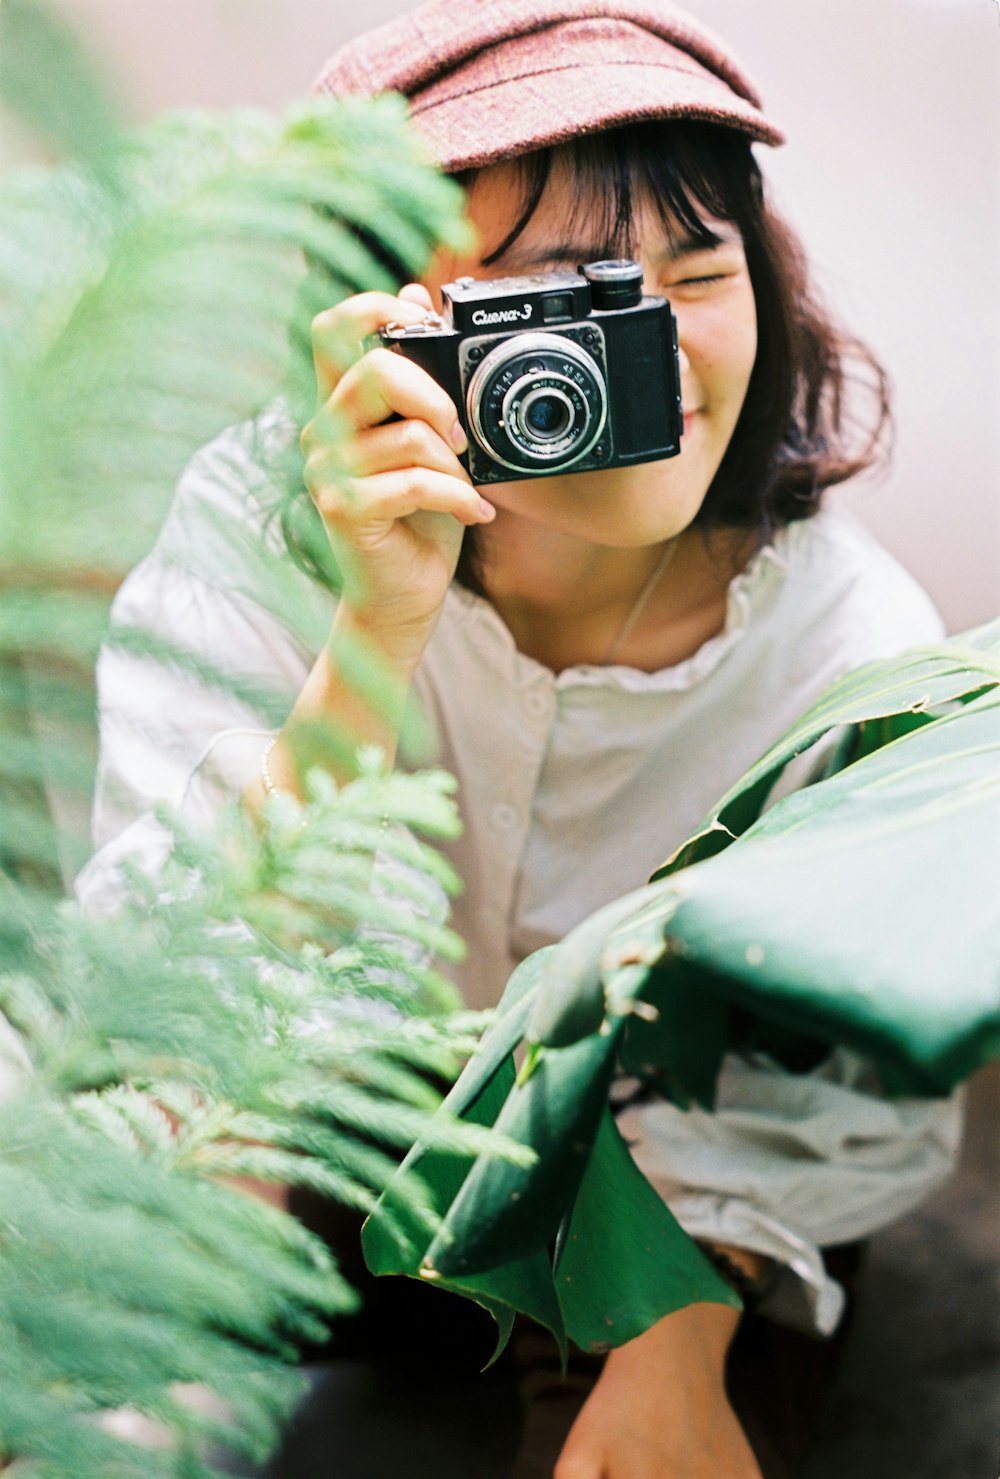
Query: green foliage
(262, 1004)
(148, 304)
(154, 290)
(48, 78)
(121, 1280)
(230, 1020)
(587, 1249)
(862, 910)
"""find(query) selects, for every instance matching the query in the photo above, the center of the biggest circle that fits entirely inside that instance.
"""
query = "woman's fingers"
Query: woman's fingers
(415, 292)
(364, 511)
(384, 448)
(382, 461)
(385, 384)
(338, 333)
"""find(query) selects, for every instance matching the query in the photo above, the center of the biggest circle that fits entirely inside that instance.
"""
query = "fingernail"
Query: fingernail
(458, 438)
(486, 509)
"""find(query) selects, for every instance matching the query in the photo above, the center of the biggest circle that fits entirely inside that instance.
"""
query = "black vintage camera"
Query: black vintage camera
(562, 371)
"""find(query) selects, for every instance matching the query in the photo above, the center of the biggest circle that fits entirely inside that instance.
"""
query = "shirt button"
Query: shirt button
(537, 703)
(503, 816)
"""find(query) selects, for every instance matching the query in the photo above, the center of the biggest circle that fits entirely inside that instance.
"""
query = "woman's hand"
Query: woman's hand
(660, 1411)
(394, 499)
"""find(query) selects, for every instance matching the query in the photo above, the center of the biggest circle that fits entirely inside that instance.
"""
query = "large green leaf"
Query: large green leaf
(864, 909)
(620, 1261)
(395, 1241)
(880, 701)
(508, 1211)
(623, 1261)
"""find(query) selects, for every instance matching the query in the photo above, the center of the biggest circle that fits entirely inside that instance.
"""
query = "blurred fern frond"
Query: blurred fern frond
(179, 1043)
(264, 1004)
(180, 302)
(154, 290)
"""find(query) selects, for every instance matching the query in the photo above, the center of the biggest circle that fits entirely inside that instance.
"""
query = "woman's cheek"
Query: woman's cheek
(732, 334)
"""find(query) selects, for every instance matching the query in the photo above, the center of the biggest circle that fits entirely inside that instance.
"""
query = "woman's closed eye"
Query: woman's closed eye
(700, 277)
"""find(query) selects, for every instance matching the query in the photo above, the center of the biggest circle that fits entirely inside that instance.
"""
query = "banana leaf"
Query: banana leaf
(863, 910)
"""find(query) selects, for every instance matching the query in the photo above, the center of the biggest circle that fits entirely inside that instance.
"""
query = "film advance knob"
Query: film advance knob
(614, 284)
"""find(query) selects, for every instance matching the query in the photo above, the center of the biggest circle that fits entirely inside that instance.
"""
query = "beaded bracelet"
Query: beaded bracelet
(270, 789)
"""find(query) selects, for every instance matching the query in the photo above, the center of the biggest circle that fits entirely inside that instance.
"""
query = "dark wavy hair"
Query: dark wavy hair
(816, 410)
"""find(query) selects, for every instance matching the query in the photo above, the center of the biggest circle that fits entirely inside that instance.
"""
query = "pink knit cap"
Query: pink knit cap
(491, 79)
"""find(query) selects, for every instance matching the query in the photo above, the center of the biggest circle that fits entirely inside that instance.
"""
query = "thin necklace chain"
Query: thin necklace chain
(641, 601)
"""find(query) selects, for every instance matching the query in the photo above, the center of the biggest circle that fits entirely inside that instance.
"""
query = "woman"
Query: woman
(601, 654)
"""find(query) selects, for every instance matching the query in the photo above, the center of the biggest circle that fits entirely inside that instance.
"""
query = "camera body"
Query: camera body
(556, 372)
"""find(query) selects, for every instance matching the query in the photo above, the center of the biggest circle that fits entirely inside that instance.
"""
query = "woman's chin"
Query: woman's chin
(623, 506)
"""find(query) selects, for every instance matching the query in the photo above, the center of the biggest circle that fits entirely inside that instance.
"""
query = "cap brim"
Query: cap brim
(514, 117)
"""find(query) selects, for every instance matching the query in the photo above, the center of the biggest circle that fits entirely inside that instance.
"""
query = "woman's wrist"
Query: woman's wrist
(690, 1346)
(661, 1407)
(397, 641)
(751, 1274)
(354, 697)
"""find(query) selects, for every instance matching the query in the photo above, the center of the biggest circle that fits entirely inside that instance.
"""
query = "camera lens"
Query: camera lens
(538, 402)
(546, 414)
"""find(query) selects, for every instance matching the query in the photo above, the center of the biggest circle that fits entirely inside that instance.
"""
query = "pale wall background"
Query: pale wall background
(892, 175)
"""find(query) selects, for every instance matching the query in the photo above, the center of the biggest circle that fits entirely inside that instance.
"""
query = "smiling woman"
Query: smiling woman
(612, 530)
(600, 654)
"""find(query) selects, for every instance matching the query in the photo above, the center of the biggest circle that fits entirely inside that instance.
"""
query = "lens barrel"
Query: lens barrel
(538, 403)
(545, 414)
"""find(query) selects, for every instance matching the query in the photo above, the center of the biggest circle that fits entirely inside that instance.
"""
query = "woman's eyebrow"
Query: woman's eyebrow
(707, 240)
(522, 258)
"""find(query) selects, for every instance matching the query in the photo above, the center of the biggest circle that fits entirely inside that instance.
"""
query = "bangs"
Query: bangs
(685, 171)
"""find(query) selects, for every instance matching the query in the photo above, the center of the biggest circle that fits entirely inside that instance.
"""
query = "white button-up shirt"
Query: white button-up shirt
(573, 788)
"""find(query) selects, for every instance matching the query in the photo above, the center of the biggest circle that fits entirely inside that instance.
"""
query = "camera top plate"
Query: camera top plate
(533, 301)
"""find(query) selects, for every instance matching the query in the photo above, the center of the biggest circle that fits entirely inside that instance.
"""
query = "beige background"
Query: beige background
(892, 174)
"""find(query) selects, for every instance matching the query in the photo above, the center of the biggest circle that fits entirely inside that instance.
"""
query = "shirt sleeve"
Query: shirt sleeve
(790, 1163)
(211, 637)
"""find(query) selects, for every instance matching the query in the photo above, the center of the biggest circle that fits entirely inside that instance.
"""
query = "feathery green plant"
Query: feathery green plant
(152, 293)
(179, 1044)
(263, 1006)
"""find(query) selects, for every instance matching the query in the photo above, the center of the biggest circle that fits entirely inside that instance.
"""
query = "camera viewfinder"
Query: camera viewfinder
(557, 308)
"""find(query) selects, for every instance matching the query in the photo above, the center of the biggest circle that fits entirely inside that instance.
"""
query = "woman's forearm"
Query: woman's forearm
(660, 1407)
(335, 714)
